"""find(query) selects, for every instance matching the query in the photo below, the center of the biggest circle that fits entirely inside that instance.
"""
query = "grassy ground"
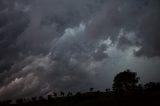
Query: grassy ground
(101, 99)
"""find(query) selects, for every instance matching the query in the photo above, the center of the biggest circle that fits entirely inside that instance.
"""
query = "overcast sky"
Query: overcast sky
(72, 45)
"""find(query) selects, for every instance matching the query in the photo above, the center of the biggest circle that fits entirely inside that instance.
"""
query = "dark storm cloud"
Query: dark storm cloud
(141, 17)
(12, 23)
(53, 45)
(149, 31)
(50, 18)
(30, 32)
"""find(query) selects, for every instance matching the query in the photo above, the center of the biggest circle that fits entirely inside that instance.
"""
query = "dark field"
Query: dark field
(125, 92)
(99, 98)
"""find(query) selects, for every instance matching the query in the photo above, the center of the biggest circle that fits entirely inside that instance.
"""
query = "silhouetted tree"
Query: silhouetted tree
(91, 89)
(6, 102)
(69, 94)
(55, 94)
(107, 90)
(19, 101)
(139, 89)
(49, 97)
(62, 93)
(42, 99)
(152, 86)
(34, 99)
(125, 81)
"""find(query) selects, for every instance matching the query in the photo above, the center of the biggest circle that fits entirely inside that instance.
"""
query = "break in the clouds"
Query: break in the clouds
(72, 45)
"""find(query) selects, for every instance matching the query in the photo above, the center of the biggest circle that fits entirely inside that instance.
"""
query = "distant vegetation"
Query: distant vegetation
(125, 91)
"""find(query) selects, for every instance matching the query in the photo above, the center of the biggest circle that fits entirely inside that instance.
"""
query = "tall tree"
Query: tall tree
(125, 81)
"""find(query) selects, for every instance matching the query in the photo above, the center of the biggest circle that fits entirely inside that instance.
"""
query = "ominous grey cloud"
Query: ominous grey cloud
(12, 23)
(72, 45)
(149, 31)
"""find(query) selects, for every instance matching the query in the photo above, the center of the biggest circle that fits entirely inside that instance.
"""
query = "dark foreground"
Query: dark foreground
(98, 99)
(126, 92)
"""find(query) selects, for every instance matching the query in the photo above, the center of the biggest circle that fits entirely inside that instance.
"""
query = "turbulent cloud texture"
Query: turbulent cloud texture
(72, 45)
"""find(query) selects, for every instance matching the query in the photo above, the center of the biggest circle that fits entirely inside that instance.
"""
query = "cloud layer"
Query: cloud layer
(54, 45)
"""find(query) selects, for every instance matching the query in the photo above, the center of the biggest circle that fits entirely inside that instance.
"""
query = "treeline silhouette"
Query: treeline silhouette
(125, 91)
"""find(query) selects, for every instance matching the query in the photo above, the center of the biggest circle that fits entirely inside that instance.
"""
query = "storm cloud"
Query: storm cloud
(72, 45)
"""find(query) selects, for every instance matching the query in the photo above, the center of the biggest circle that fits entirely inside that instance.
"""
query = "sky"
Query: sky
(72, 45)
